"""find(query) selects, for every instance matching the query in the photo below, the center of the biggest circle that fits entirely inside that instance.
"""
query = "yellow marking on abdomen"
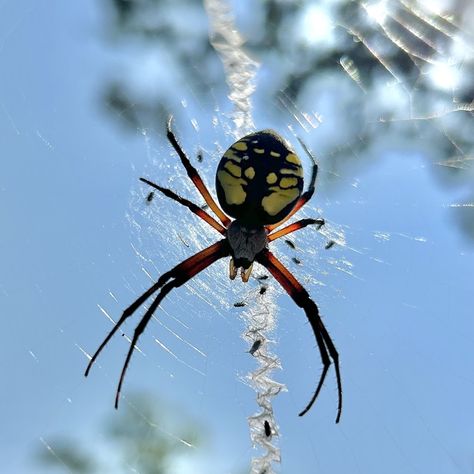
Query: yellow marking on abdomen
(260, 151)
(293, 158)
(298, 172)
(271, 178)
(240, 146)
(233, 169)
(249, 173)
(233, 189)
(275, 154)
(288, 182)
(279, 199)
(230, 155)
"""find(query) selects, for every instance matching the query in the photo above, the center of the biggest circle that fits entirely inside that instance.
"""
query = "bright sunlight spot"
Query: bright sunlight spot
(316, 25)
(377, 11)
(437, 7)
(444, 76)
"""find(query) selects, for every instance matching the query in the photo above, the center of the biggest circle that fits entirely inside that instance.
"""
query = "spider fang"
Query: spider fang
(245, 273)
(232, 269)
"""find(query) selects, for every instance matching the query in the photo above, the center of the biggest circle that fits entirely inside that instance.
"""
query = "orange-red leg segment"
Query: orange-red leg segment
(294, 227)
(180, 277)
(190, 205)
(301, 297)
(190, 266)
(194, 175)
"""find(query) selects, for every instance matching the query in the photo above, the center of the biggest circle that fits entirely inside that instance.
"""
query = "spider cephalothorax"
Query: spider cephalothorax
(259, 182)
(245, 244)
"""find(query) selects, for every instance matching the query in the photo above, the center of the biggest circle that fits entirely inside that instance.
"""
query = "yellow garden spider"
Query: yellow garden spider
(259, 182)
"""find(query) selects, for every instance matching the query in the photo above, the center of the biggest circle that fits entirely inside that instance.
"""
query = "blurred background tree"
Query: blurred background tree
(137, 439)
(362, 76)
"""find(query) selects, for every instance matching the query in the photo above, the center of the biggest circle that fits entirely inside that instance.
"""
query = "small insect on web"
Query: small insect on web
(255, 346)
(259, 182)
(150, 196)
(268, 430)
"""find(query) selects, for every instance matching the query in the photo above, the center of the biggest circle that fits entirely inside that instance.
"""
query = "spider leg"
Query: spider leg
(295, 226)
(190, 205)
(184, 268)
(301, 297)
(180, 277)
(306, 196)
(194, 175)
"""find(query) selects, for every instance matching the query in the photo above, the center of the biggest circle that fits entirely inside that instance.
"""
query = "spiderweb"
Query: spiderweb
(381, 92)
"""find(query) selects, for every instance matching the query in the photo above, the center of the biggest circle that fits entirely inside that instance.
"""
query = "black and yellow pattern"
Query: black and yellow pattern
(259, 179)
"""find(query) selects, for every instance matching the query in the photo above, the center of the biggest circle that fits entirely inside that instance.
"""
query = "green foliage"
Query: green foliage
(378, 64)
(143, 436)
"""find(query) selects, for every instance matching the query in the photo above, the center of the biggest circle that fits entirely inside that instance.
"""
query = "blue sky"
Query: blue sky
(396, 298)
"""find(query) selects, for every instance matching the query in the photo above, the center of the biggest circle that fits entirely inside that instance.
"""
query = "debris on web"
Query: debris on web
(239, 68)
(259, 315)
(260, 321)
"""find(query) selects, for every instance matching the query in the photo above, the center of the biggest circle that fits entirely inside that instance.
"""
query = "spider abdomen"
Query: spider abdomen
(259, 179)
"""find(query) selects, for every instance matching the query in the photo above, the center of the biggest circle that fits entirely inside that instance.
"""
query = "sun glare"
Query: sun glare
(377, 11)
(316, 25)
(444, 76)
